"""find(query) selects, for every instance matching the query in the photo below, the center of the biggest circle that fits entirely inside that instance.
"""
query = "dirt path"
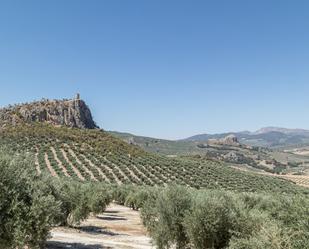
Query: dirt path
(119, 227)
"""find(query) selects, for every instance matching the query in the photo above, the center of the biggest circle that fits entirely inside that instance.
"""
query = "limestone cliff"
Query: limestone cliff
(72, 113)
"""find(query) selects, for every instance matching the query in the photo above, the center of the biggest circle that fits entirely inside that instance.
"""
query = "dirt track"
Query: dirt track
(119, 227)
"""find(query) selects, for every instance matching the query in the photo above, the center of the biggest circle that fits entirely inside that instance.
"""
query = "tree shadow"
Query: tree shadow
(111, 217)
(111, 212)
(96, 230)
(65, 245)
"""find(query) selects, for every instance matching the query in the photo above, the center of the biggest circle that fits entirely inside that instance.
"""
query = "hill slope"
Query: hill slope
(95, 155)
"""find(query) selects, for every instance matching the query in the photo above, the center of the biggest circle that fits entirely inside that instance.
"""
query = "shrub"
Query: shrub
(209, 221)
(177, 217)
(138, 196)
(78, 200)
(27, 207)
(269, 236)
(165, 222)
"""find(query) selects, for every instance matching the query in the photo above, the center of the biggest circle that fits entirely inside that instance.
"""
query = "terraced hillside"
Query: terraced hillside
(95, 155)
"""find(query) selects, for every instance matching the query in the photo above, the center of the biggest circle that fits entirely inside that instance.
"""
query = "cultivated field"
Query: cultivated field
(93, 155)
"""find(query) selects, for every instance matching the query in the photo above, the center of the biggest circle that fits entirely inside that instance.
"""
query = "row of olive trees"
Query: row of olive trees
(178, 217)
(31, 205)
(174, 216)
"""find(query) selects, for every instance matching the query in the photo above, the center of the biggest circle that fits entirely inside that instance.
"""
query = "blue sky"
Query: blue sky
(168, 69)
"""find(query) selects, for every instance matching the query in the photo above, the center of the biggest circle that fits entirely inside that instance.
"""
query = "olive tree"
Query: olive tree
(27, 207)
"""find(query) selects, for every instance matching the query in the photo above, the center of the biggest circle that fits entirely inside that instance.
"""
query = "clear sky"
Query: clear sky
(167, 69)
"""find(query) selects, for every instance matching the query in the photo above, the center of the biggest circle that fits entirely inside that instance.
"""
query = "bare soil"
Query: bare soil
(118, 227)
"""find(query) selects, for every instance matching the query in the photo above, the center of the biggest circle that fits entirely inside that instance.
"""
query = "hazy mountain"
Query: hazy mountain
(282, 130)
(267, 137)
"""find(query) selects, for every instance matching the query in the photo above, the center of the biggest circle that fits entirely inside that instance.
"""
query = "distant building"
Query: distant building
(77, 97)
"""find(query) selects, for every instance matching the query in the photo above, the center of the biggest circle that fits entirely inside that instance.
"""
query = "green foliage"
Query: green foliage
(30, 205)
(121, 193)
(78, 200)
(291, 211)
(210, 219)
(207, 219)
(138, 196)
(269, 236)
(27, 207)
(167, 228)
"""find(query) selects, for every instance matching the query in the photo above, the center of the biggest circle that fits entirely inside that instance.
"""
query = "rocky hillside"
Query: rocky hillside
(228, 140)
(71, 113)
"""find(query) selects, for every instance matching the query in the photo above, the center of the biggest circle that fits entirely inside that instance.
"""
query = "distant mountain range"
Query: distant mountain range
(282, 130)
(265, 137)
(271, 137)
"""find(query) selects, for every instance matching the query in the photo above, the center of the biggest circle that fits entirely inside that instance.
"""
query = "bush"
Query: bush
(78, 200)
(27, 207)
(269, 236)
(165, 222)
(291, 211)
(209, 221)
(137, 197)
(120, 193)
(206, 219)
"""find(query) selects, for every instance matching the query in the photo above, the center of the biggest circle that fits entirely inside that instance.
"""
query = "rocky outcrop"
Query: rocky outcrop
(228, 140)
(71, 113)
